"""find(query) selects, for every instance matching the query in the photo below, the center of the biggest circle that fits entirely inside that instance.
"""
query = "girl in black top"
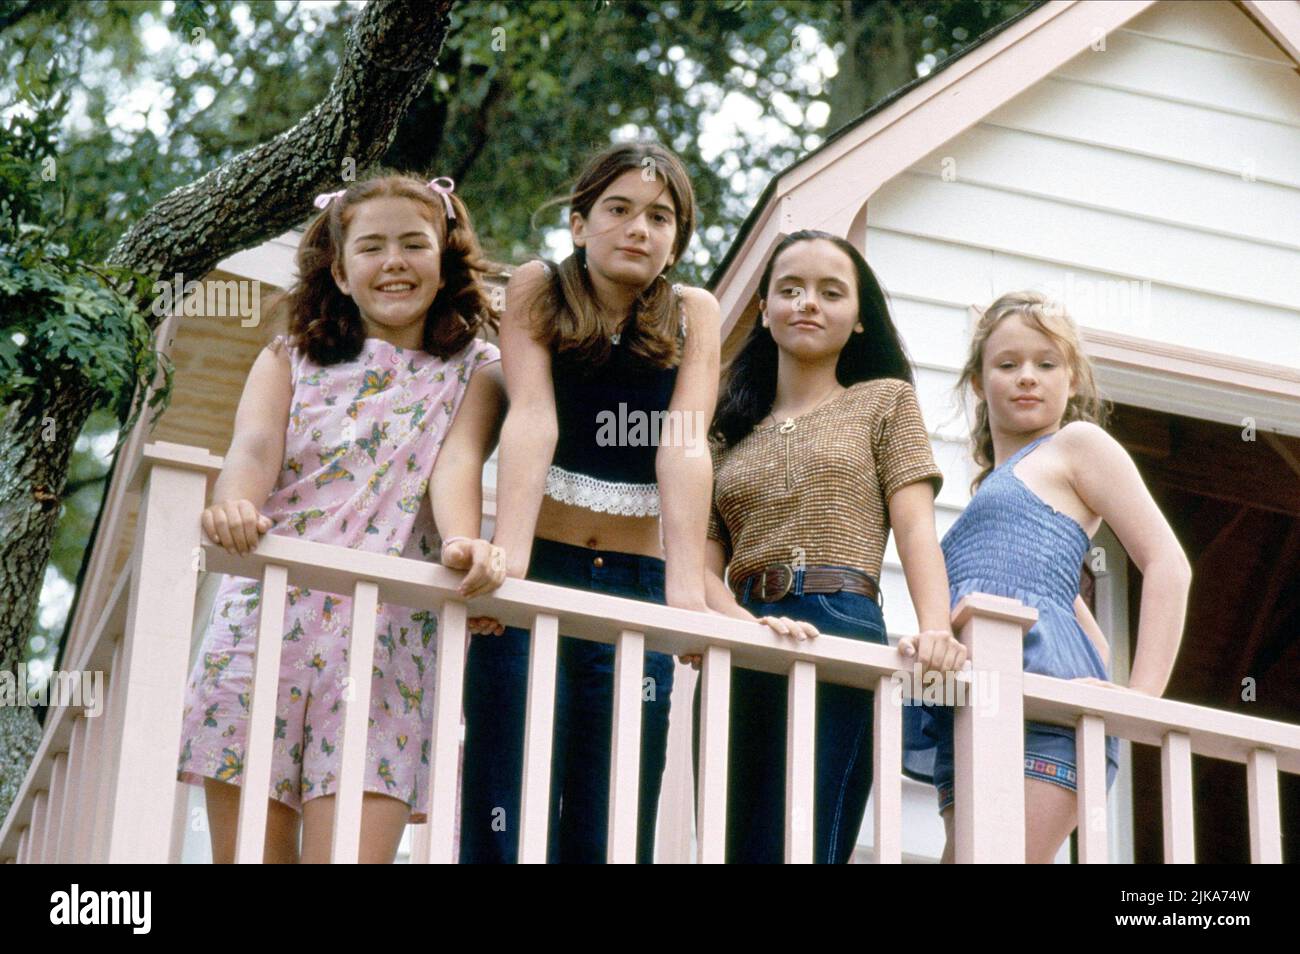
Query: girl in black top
(592, 493)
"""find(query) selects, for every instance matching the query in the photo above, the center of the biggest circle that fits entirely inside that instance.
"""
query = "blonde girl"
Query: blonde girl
(1049, 476)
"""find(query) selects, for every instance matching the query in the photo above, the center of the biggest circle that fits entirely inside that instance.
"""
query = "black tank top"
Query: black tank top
(609, 418)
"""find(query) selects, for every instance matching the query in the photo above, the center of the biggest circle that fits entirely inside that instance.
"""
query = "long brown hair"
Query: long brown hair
(564, 314)
(1051, 319)
(326, 324)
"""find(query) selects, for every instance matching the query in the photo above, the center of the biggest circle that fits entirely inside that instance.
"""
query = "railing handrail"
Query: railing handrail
(183, 456)
(594, 616)
(1216, 733)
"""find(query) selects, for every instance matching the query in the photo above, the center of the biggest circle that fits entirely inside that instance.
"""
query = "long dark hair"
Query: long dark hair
(876, 352)
(564, 314)
(326, 324)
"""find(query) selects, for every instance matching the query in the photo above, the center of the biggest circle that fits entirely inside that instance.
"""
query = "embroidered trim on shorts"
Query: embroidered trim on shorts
(1045, 770)
(1051, 770)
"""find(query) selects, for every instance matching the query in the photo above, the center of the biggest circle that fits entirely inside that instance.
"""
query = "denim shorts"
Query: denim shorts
(1049, 757)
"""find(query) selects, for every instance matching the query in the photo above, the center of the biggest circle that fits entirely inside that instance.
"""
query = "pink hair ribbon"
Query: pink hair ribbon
(437, 185)
(325, 198)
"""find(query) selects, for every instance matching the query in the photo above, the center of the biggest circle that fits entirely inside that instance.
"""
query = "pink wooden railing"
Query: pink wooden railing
(104, 789)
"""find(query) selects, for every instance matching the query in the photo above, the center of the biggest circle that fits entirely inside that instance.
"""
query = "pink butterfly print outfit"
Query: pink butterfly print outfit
(362, 440)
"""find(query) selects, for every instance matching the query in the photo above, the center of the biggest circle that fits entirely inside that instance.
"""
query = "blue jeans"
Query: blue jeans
(845, 739)
(496, 686)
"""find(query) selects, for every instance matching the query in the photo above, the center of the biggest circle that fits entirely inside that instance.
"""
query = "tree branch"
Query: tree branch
(482, 125)
(390, 51)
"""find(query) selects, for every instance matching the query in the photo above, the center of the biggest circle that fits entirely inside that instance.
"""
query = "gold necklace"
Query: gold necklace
(787, 428)
(789, 424)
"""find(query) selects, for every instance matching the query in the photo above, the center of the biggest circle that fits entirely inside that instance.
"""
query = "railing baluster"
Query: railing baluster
(887, 770)
(1090, 748)
(800, 767)
(250, 835)
(180, 823)
(437, 841)
(71, 791)
(1265, 811)
(110, 731)
(625, 754)
(345, 843)
(54, 816)
(24, 844)
(1176, 782)
(535, 802)
(36, 831)
(715, 727)
(89, 781)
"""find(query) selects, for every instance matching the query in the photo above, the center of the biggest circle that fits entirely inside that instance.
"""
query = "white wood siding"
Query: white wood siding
(1154, 186)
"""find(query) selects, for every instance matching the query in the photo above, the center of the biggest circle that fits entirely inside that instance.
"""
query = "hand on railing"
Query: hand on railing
(486, 564)
(782, 625)
(235, 525)
(935, 649)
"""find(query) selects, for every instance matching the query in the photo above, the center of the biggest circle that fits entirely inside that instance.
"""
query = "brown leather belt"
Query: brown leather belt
(774, 582)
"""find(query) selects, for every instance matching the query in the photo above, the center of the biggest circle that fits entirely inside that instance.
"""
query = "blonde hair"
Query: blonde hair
(1051, 319)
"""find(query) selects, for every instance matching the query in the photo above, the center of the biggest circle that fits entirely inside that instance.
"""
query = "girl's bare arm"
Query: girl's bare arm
(911, 516)
(256, 455)
(683, 468)
(530, 431)
(456, 485)
(1108, 482)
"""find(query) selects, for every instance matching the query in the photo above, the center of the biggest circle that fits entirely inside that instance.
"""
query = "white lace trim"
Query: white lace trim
(602, 496)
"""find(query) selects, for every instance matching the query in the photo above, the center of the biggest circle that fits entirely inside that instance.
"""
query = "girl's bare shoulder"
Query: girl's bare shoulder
(1085, 444)
(1084, 436)
(701, 306)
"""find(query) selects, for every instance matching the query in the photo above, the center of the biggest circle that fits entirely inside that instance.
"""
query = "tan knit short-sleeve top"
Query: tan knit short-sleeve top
(820, 494)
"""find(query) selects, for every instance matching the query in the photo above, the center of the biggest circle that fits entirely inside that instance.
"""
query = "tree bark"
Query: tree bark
(38, 435)
(879, 56)
(390, 51)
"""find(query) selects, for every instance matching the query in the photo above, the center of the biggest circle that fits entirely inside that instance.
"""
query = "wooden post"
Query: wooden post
(345, 844)
(1176, 785)
(800, 762)
(1090, 749)
(888, 771)
(436, 842)
(155, 657)
(250, 831)
(535, 799)
(1265, 810)
(989, 743)
(625, 754)
(715, 716)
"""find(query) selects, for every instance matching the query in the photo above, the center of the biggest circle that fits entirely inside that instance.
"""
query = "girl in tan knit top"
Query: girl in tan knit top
(819, 450)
